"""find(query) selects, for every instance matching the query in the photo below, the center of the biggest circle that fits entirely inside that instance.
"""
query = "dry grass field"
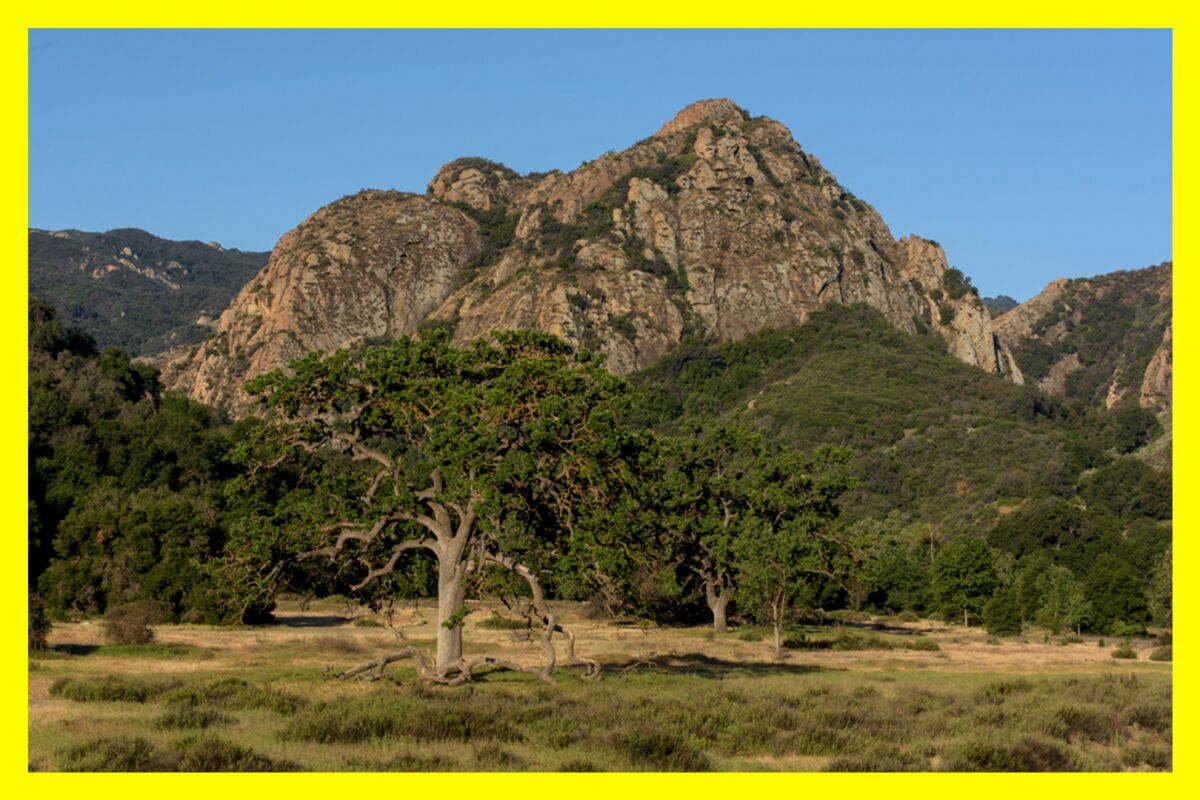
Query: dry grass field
(865, 695)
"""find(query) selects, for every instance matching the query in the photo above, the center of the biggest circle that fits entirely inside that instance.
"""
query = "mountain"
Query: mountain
(1098, 341)
(132, 290)
(999, 304)
(717, 226)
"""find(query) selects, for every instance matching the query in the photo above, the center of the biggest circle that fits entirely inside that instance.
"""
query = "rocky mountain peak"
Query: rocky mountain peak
(477, 182)
(714, 111)
(717, 226)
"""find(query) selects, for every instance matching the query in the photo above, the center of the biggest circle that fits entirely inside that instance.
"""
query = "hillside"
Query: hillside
(132, 290)
(1098, 341)
(717, 226)
(937, 439)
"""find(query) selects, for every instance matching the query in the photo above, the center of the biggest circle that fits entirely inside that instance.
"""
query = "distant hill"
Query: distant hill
(999, 304)
(136, 291)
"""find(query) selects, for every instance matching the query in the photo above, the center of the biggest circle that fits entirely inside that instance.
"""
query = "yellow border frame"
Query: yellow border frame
(541, 14)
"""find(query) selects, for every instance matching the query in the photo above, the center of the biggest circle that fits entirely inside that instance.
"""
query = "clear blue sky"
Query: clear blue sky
(1028, 154)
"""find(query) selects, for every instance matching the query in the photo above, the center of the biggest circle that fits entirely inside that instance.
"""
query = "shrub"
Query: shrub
(881, 759)
(927, 645)
(217, 755)
(1152, 717)
(191, 716)
(498, 622)
(1124, 651)
(660, 751)
(1161, 653)
(493, 756)
(112, 689)
(39, 623)
(130, 623)
(1079, 722)
(116, 755)
(1027, 755)
(366, 622)
(907, 616)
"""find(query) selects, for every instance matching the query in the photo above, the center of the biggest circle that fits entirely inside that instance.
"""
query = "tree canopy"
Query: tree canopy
(505, 453)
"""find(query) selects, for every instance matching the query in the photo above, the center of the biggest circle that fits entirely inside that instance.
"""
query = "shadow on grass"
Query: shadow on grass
(76, 649)
(707, 666)
(153, 650)
(311, 620)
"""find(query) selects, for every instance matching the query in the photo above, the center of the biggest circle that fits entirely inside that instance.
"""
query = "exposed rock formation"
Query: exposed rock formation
(1098, 340)
(368, 267)
(718, 225)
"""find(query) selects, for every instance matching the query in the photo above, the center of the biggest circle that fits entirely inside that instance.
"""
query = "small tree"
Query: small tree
(704, 504)
(1062, 602)
(1158, 592)
(1116, 596)
(504, 454)
(964, 577)
(791, 537)
(1002, 613)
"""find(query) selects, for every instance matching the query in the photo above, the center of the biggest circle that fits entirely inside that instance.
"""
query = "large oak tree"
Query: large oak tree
(507, 453)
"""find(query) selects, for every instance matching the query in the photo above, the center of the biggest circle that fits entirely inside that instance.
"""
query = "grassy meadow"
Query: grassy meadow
(860, 695)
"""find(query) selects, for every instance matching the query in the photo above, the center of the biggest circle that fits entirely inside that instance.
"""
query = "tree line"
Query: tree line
(511, 467)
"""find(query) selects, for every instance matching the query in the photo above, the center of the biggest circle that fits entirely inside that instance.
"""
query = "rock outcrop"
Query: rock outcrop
(368, 267)
(718, 225)
(1100, 340)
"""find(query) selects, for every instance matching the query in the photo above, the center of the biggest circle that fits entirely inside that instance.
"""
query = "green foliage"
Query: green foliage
(790, 535)
(1002, 613)
(1159, 590)
(1129, 488)
(964, 577)
(126, 309)
(513, 443)
(1161, 653)
(113, 689)
(1116, 597)
(122, 479)
(1125, 651)
(660, 751)
(1062, 600)
(849, 378)
(945, 313)
(39, 623)
(1114, 323)
(187, 755)
(496, 232)
(957, 284)
(130, 623)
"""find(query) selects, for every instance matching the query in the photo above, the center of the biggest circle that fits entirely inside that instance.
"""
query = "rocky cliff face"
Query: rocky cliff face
(718, 225)
(1098, 340)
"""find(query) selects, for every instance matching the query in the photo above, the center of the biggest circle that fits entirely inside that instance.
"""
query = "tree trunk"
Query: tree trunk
(777, 628)
(718, 604)
(965, 623)
(451, 591)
